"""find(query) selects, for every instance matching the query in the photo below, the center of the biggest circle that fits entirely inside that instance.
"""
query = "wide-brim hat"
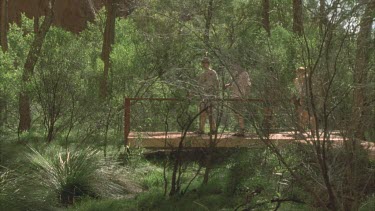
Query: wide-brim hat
(301, 70)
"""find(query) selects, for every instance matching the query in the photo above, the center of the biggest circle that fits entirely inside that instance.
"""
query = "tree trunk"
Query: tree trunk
(31, 60)
(361, 107)
(108, 41)
(208, 167)
(4, 48)
(4, 24)
(361, 70)
(297, 17)
(36, 25)
(266, 17)
(208, 19)
(51, 128)
(322, 14)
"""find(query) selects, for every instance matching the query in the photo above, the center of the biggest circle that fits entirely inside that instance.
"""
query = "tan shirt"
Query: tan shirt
(300, 84)
(209, 83)
(240, 87)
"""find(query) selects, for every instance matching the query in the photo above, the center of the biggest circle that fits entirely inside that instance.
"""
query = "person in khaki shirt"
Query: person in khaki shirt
(300, 100)
(300, 83)
(239, 89)
(208, 83)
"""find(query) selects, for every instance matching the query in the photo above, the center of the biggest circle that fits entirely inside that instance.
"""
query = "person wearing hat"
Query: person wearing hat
(208, 82)
(300, 99)
(239, 89)
(300, 83)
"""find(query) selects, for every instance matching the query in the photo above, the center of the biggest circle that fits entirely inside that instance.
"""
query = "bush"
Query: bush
(153, 179)
(69, 174)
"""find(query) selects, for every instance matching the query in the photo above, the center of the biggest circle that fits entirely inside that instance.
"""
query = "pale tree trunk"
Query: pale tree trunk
(361, 70)
(108, 41)
(297, 17)
(4, 24)
(266, 17)
(31, 60)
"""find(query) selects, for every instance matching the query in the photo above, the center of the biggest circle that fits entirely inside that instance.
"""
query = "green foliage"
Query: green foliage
(7, 74)
(58, 84)
(157, 53)
(19, 40)
(244, 171)
(153, 179)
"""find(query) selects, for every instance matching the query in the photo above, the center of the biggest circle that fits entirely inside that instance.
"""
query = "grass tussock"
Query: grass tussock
(69, 174)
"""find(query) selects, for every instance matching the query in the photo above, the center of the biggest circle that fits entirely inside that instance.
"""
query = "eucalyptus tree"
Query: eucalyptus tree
(4, 47)
(361, 72)
(4, 24)
(111, 7)
(266, 17)
(31, 61)
(298, 17)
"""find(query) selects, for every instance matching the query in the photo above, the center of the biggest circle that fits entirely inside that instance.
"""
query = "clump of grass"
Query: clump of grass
(6, 194)
(18, 193)
(69, 174)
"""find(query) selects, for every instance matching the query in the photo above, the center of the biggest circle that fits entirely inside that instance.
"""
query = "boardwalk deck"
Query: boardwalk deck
(161, 140)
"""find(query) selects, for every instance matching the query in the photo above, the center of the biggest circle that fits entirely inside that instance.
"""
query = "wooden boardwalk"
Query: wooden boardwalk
(161, 140)
(172, 139)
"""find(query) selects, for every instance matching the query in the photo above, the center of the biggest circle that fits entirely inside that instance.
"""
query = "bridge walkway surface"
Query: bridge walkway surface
(170, 140)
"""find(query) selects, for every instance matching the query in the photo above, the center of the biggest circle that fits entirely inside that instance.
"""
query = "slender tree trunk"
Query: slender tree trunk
(206, 40)
(51, 128)
(36, 25)
(361, 70)
(266, 17)
(207, 171)
(297, 17)
(322, 14)
(208, 17)
(31, 60)
(4, 48)
(3, 24)
(108, 41)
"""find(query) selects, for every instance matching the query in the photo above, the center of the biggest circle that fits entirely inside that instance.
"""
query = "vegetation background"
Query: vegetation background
(66, 66)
